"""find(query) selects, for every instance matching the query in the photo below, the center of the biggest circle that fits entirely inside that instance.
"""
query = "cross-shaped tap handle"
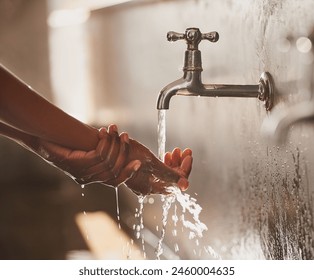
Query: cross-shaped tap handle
(193, 37)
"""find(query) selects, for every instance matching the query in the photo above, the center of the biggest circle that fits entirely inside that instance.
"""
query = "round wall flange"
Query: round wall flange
(266, 90)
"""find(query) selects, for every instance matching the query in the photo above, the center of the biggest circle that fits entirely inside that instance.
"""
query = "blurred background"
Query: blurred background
(105, 62)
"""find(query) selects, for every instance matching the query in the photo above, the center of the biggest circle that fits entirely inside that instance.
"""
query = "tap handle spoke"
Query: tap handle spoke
(175, 36)
(193, 37)
(211, 36)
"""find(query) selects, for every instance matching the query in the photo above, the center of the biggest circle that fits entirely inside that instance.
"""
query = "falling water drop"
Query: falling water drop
(176, 247)
(118, 208)
(139, 228)
(85, 215)
(83, 187)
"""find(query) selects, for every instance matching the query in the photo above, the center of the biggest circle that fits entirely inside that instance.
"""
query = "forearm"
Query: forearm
(22, 138)
(24, 109)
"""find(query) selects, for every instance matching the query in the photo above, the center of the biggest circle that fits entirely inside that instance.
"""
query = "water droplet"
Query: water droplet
(176, 247)
(140, 226)
(117, 207)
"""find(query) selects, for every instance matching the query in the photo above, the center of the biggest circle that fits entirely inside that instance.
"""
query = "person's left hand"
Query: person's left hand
(155, 176)
(105, 164)
(180, 162)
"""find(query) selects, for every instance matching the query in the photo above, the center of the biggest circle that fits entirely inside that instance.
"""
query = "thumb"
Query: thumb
(51, 151)
(128, 171)
(183, 184)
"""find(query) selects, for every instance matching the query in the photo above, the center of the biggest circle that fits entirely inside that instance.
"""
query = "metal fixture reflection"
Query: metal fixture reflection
(276, 126)
(191, 82)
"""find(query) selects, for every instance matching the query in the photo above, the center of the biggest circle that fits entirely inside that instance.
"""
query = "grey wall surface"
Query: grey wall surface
(256, 195)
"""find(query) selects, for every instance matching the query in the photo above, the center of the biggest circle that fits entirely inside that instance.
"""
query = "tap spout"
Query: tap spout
(191, 85)
(168, 92)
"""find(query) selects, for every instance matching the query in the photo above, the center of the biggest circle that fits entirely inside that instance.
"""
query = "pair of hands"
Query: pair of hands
(118, 159)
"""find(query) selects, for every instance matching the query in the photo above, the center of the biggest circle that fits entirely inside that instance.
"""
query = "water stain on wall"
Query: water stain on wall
(280, 208)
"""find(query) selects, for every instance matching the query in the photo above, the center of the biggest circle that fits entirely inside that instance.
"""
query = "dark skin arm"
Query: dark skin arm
(84, 152)
(24, 109)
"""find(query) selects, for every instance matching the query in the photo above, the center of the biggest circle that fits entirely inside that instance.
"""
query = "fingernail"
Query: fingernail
(125, 137)
(183, 183)
(137, 166)
(114, 127)
(102, 132)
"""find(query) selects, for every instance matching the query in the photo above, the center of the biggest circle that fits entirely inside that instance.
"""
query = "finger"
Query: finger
(103, 166)
(103, 146)
(112, 129)
(125, 137)
(168, 159)
(186, 165)
(186, 152)
(51, 151)
(102, 132)
(176, 157)
(183, 184)
(99, 161)
(77, 161)
(114, 147)
(126, 173)
(66, 159)
(106, 146)
(123, 152)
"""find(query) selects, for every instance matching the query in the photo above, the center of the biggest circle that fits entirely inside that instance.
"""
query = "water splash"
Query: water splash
(210, 251)
(167, 202)
(189, 205)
